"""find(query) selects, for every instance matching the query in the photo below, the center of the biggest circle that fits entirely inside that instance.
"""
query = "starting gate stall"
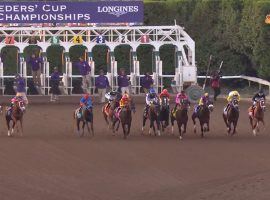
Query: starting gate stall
(2, 86)
(111, 36)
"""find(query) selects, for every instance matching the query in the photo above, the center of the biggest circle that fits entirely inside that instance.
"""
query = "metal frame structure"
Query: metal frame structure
(185, 69)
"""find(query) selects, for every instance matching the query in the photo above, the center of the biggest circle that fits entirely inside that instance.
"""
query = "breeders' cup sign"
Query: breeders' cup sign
(72, 12)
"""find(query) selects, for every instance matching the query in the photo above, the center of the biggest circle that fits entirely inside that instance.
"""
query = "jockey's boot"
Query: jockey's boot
(197, 109)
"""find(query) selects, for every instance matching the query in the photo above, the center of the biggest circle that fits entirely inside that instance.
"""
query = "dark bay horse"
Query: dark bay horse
(164, 112)
(204, 117)
(232, 116)
(15, 114)
(85, 116)
(153, 116)
(181, 117)
(257, 116)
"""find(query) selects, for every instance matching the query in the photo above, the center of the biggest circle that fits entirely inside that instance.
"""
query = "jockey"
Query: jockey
(164, 93)
(86, 102)
(180, 97)
(232, 95)
(259, 95)
(151, 97)
(124, 100)
(203, 100)
(15, 99)
(111, 96)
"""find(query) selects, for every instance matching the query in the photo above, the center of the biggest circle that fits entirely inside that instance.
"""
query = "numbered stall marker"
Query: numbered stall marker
(9, 40)
(77, 39)
(123, 39)
(55, 40)
(144, 39)
(100, 39)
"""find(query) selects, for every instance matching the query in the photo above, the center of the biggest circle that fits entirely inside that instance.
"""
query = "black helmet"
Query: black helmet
(261, 91)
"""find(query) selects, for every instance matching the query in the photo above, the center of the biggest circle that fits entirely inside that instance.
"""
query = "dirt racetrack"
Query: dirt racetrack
(50, 162)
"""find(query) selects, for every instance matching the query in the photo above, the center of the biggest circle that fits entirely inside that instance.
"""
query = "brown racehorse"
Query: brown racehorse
(125, 118)
(15, 115)
(232, 116)
(153, 116)
(86, 117)
(109, 113)
(257, 116)
(181, 117)
(204, 117)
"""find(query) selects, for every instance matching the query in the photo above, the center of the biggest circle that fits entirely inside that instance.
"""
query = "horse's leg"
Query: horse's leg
(180, 130)
(254, 126)
(151, 126)
(118, 124)
(83, 125)
(193, 117)
(235, 125)
(124, 130)
(8, 125)
(225, 120)
(88, 128)
(202, 129)
(144, 120)
(158, 126)
(78, 126)
(21, 123)
(172, 122)
(251, 121)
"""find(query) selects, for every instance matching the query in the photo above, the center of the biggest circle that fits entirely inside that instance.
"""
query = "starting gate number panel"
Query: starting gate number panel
(77, 39)
(9, 40)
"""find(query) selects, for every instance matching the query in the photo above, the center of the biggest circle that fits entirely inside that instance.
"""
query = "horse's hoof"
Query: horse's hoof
(159, 133)
(254, 132)
(180, 137)
(9, 134)
(172, 130)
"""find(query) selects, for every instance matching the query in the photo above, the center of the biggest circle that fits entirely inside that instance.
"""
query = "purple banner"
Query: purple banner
(72, 12)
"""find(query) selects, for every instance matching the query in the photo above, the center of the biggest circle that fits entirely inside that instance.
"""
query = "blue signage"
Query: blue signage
(72, 12)
(100, 39)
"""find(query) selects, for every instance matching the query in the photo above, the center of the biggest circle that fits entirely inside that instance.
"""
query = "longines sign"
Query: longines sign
(72, 12)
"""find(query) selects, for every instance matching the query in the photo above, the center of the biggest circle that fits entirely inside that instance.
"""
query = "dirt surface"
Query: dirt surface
(51, 162)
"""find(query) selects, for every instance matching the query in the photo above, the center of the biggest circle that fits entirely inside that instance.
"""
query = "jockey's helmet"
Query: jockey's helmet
(235, 93)
(125, 97)
(152, 91)
(206, 94)
(261, 92)
(86, 95)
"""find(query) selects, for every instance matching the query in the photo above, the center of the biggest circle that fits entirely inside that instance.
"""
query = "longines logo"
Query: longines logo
(118, 10)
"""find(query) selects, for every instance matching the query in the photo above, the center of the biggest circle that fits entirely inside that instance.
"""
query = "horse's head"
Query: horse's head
(164, 102)
(184, 104)
(209, 106)
(235, 103)
(261, 103)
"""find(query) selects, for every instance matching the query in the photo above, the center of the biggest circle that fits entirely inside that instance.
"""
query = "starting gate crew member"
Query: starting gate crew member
(232, 95)
(215, 83)
(55, 81)
(123, 82)
(147, 82)
(20, 88)
(35, 63)
(86, 102)
(102, 84)
(85, 69)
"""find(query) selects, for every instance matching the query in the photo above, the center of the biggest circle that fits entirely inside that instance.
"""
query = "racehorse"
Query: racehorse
(232, 116)
(124, 116)
(109, 113)
(14, 114)
(85, 116)
(204, 117)
(257, 116)
(181, 117)
(153, 115)
(164, 112)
